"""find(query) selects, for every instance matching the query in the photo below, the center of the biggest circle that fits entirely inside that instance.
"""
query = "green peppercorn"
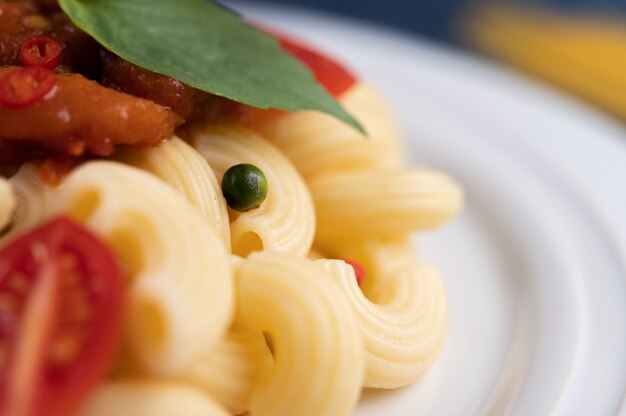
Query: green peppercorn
(244, 186)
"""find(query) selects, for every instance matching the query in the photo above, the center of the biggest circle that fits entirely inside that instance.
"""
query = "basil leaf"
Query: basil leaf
(207, 47)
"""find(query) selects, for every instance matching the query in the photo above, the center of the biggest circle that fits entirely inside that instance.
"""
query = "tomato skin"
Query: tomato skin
(70, 296)
(333, 76)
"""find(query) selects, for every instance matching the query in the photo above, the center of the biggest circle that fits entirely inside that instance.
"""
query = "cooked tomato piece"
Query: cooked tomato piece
(81, 116)
(61, 297)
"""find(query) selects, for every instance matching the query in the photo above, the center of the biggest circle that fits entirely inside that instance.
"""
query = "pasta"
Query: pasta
(231, 369)
(318, 366)
(403, 326)
(382, 204)
(31, 200)
(317, 143)
(144, 398)
(7, 203)
(180, 301)
(176, 163)
(198, 256)
(271, 227)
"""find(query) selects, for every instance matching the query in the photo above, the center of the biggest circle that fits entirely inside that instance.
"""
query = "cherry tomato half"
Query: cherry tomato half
(61, 297)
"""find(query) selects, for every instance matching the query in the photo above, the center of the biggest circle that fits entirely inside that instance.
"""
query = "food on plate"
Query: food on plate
(62, 303)
(176, 240)
(244, 186)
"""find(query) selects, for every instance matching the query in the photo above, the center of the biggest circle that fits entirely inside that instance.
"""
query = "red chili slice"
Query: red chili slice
(40, 51)
(25, 87)
(61, 308)
(359, 271)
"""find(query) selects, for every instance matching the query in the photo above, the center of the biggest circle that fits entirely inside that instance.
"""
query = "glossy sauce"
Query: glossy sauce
(20, 20)
(81, 116)
(121, 75)
(100, 100)
(55, 169)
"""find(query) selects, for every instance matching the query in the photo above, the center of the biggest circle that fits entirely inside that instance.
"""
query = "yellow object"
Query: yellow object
(585, 54)
(7, 202)
(149, 398)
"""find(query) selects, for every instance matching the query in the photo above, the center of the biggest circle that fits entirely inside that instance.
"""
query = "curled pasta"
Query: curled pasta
(403, 320)
(229, 370)
(149, 398)
(180, 298)
(31, 200)
(178, 164)
(317, 142)
(380, 204)
(286, 219)
(318, 360)
(7, 203)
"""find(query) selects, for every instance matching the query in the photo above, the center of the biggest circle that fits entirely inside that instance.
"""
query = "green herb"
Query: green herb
(206, 46)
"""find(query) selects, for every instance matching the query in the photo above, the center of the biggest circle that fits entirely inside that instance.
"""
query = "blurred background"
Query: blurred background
(437, 18)
(578, 45)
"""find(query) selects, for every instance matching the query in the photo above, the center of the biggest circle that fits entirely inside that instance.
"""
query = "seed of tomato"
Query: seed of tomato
(40, 51)
(359, 271)
(61, 297)
(25, 87)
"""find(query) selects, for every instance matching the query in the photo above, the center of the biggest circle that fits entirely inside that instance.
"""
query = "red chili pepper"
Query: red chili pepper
(25, 87)
(359, 271)
(40, 51)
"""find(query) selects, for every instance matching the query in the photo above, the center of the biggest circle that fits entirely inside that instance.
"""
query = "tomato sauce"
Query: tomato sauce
(12, 29)
(100, 100)
(124, 76)
(22, 19)
(55, 169)
(83, 116)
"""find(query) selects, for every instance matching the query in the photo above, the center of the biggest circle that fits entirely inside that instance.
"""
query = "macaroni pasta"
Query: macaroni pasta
(231, 312)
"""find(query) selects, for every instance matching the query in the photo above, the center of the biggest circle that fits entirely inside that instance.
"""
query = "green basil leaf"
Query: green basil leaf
(207, 47)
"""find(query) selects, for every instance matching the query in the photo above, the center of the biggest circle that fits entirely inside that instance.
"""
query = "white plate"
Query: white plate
(535, 266)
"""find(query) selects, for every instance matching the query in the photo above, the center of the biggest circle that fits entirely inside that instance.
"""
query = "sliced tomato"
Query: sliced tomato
(61, 298)
(336, 78)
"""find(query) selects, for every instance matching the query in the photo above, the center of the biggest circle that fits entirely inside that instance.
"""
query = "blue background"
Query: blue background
(432, 18)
